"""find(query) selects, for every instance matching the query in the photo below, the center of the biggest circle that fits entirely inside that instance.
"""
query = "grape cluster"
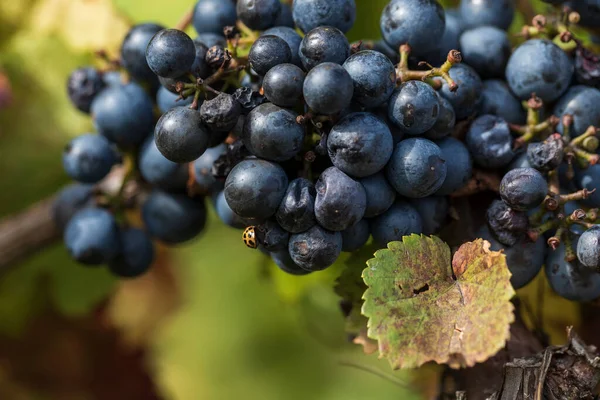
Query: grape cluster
(312, 145)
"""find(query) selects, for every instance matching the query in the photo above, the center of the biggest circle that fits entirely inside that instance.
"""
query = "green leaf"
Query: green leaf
(422, 307)
(349, 285)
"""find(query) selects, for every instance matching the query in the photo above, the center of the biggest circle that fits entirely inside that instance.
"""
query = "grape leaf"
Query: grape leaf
(422, 307)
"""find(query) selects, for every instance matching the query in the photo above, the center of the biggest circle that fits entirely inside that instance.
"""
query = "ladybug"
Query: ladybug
(249, 237)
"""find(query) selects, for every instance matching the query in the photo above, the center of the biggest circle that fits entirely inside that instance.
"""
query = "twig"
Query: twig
(185, 21)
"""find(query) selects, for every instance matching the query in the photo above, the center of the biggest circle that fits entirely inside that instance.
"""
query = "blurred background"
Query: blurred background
(212, 320)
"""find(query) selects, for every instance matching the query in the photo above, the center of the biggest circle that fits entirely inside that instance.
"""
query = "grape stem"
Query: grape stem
(404, 74)
(534, 128)
(186, 20)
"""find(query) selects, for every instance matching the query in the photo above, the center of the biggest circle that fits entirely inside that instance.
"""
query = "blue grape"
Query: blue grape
(112, 78)
(92, 236)
(374, 77)
(328, 88)
(356, 236)
(258, 14)
(296, 213)
(291, 37)
(341, 201)
(581, 102)
(466, 100)
(285, 17)
(308, 14)
(498, 13)
(323, 44)
(571, 280)
(69, 201)
(459, 165)
(588, 248)
(165, 100)
(486, 49)
(203, 175)
(158, 170)
(380, 194)
(520, 161)
(589, 179)
(548, 155)
(220, 114)
(123, 114)
(173, 218)
(498, 100)
(540, 67)
(89, 158)
(254, 188)
(136, 256)
(507, 225)
(449, 40)
(420, 23)
(414, 107)
(211, 16)
(433, 211)
(272, 237)
(316, 249)
(524, 259)
(180, 136)
(400, 220)
(417, 168)
(249, 99)
(283, 85)
(133, 51)
(82, 87)
(199, 67)
(267, 52)
(523, 189)
(226, 214)
(360, 144)
(210, 39)
(445, 122)
(171, 53)
(272, 133)
(490, 142)
(285, 263)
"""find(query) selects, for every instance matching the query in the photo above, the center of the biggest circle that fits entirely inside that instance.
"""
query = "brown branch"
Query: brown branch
(27, 233)
(185, 21)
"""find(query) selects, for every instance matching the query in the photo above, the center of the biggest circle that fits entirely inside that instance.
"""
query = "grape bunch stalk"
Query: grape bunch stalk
(312, 145)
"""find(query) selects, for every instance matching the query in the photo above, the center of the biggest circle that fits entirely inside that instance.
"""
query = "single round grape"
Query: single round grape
(82, 87)
(291, 37)
(171, 53)
(360, 144)
(296, 213)
(285, 263)
(498, 100)
(523, 189)
(433, 211)
(323, 44)
(136, 256)
(173, 218)
(445, 122)
(210, 39)
(588, 248)
(507, 225)
(400, 220)
(356, 236)
(417, 168)
(449, 40)
(541, 67)
(92, 236)
(211, 16)
(520, 161)
(490, 142)
(267, 52)
(89, 158)
(285, 16)
(589, 179)
(255, 188)
(272, 236)
(380, 194)
(414, 107)
(221, 113)
(272, 133)
(226, 214)
(258, 14)
(283, 85)
(200, 67)
(316, 249)
(374, 77)
(571, 280)
(133, 51)
(165, 100)
(203, 175)
(69, 201)
(486, 49)
(466, 99)
(458, 163)
(157, 170)
(581, 103)
(180, 136)
(309, 14)
(419, 23)
(341, 201)
(498, 13)
(328, 88)
(123, 114)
